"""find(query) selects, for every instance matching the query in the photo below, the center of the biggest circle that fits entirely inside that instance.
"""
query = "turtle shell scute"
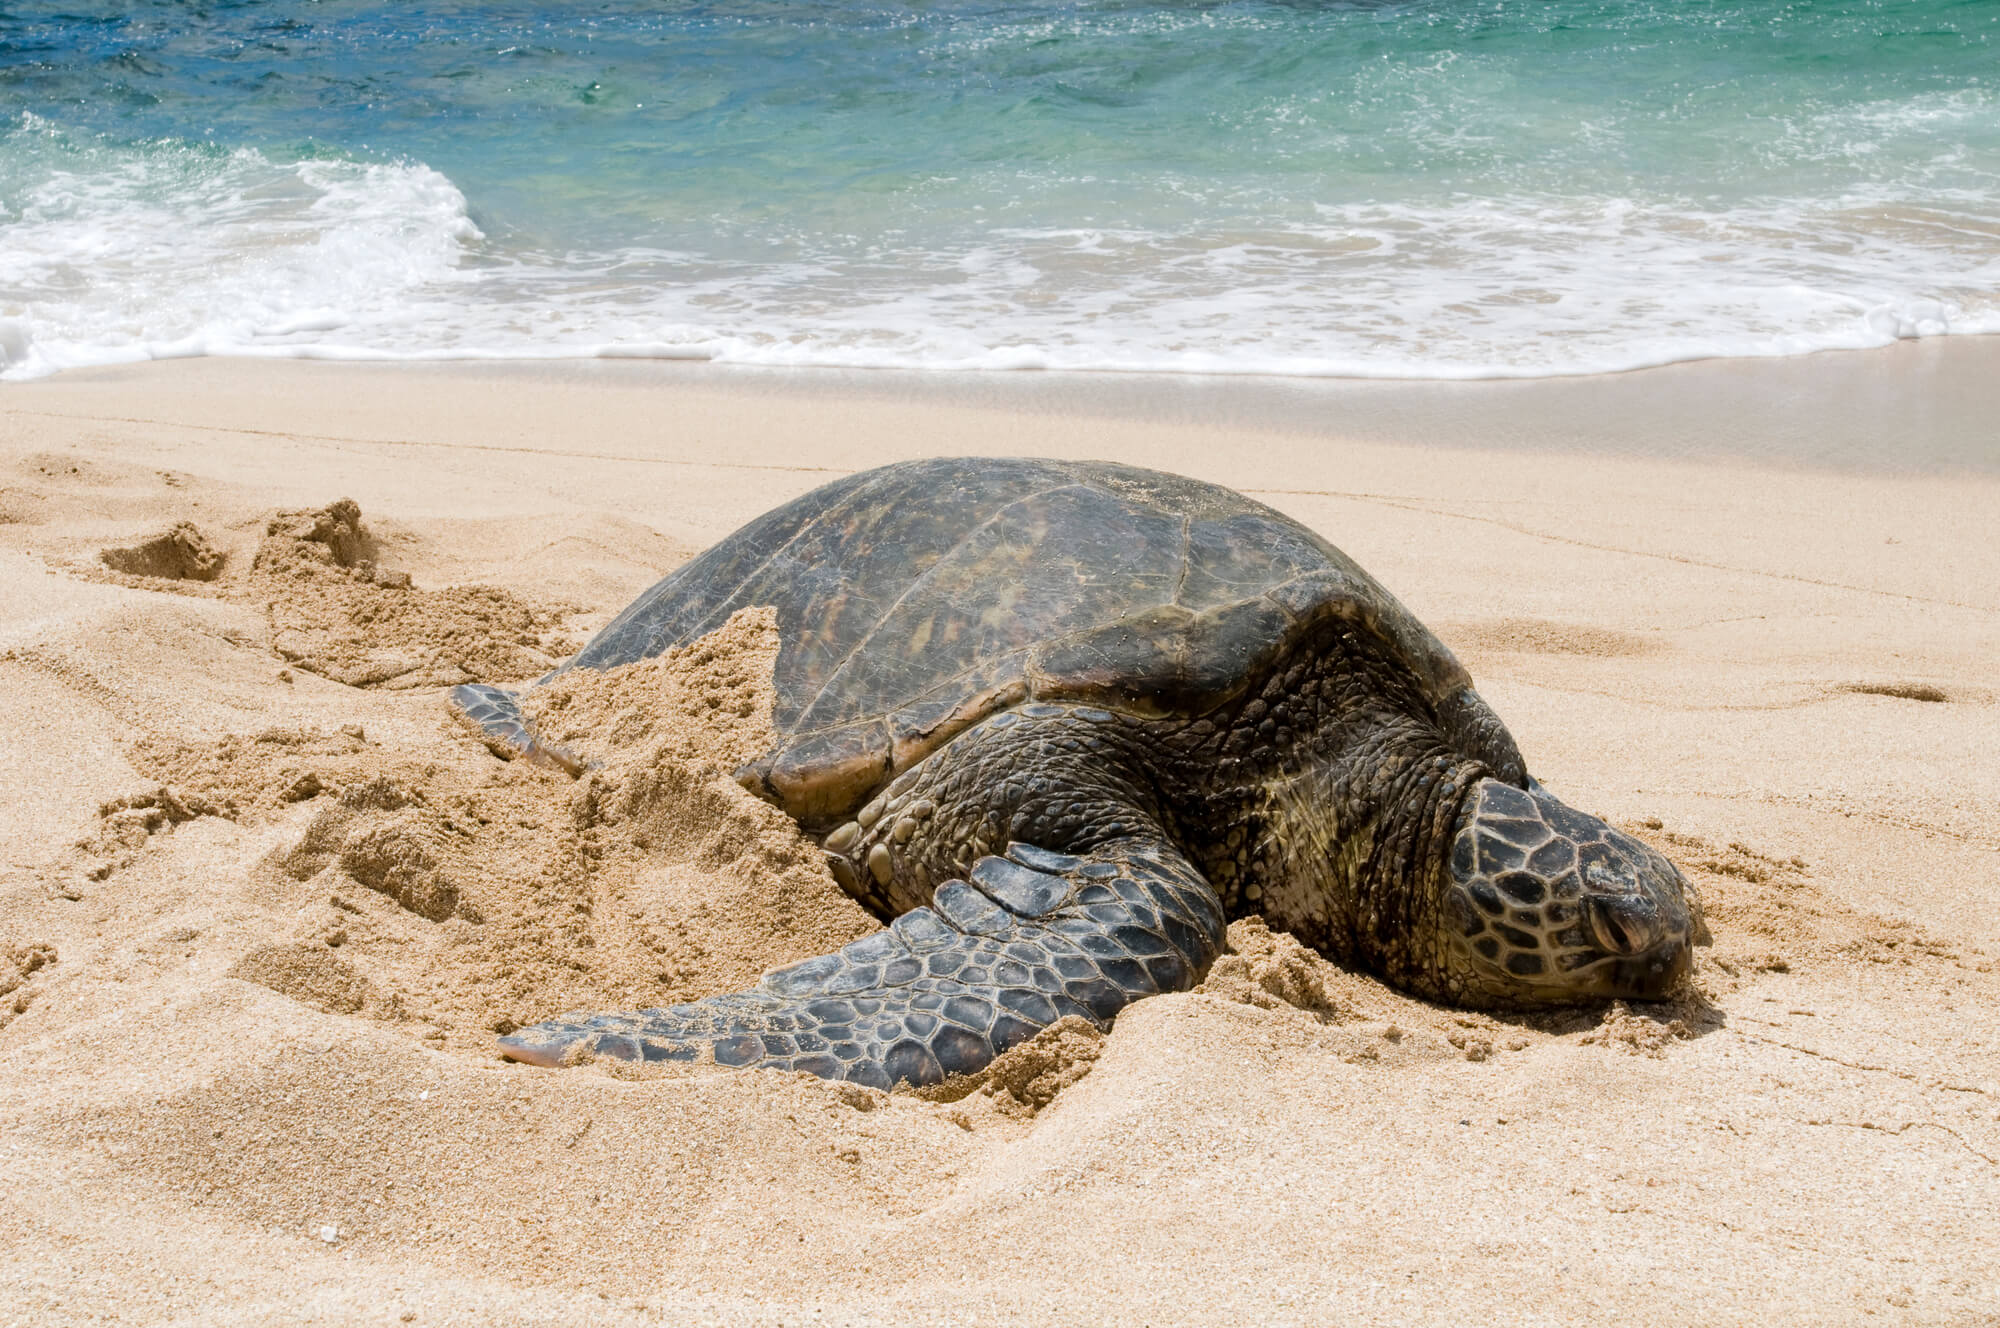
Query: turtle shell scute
(917, 600)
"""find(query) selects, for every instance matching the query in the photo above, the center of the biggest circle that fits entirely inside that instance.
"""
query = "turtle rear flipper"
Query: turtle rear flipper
(495, 716)
(1026, 939)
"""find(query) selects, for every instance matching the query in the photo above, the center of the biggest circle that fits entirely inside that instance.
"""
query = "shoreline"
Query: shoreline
(1917, 406)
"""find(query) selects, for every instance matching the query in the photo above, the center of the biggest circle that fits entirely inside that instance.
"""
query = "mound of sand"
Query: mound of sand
(335, 611)
(182, 553)
(466, 898)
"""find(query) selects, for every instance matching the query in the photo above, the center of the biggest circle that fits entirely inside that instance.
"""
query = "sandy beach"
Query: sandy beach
(264, 905)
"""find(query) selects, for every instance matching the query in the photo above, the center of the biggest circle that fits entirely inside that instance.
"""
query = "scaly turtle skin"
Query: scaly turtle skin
(1055, 722)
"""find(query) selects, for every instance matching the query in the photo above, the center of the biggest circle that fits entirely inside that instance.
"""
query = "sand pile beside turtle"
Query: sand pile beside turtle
(336, 611)
(459, 898)
(709, 701)
(182, 553)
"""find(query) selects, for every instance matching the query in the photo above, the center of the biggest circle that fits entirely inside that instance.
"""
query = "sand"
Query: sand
(264, 905)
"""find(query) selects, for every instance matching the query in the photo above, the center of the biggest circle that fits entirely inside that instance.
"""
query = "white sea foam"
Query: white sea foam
(118, 254)
(112, 254)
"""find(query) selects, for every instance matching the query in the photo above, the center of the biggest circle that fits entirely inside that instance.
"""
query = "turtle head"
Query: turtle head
(1544, 905)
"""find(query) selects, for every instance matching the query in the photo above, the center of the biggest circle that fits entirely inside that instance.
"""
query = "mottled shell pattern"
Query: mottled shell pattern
(917, 599)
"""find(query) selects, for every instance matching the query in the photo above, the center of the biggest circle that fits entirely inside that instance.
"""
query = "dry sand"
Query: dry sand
(263, 905)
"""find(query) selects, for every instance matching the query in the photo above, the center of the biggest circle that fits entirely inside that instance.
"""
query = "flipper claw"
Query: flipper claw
(494, 715)
(532, 1051)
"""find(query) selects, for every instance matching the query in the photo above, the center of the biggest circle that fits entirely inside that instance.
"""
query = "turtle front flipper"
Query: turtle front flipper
(1026, 939)
(495, 716)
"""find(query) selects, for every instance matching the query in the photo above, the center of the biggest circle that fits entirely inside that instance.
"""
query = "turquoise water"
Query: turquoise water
(1422, 189)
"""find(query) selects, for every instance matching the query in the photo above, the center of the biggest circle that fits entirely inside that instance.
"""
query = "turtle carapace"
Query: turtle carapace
(1054, 722)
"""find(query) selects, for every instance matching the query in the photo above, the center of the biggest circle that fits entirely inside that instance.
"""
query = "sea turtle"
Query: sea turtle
(1055, 722)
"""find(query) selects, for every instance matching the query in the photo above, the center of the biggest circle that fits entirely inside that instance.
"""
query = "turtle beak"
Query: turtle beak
(1653, 976)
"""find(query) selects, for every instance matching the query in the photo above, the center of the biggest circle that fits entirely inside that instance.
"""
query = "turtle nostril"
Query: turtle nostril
(1623, 924)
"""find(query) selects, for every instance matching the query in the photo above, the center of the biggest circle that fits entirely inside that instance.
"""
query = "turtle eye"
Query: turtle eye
(1623, 924)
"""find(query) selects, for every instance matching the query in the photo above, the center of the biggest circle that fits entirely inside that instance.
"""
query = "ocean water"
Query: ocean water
(1377, 188)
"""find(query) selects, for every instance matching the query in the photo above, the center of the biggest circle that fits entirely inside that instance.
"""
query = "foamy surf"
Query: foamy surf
(1408, 191)
(169, 250)
(112, 253)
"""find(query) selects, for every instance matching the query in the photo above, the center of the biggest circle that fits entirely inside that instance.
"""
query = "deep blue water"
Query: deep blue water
(1426, 188)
